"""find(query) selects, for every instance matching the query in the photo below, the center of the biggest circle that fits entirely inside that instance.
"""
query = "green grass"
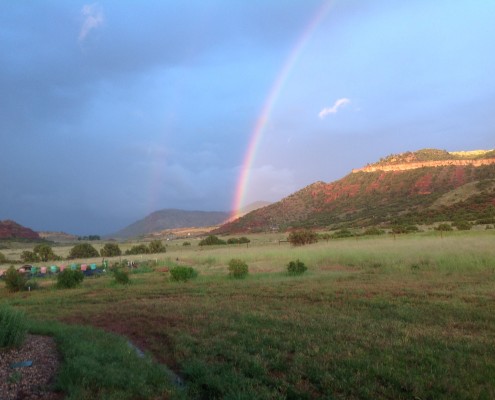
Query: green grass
(97, 364)
(370, 318)
(12, 327)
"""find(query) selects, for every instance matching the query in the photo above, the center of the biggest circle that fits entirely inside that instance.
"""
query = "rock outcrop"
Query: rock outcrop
(424, 164)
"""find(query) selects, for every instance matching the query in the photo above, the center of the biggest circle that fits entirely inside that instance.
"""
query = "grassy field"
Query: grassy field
(405, 318)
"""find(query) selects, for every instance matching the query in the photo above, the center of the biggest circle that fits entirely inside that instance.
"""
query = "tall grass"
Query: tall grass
(13, 327)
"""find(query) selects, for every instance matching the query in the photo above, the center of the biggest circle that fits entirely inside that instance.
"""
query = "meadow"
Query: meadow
(405, 317)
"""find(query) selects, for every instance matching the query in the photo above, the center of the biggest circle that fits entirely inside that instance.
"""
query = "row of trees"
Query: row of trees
(214, 240)
(44, 252)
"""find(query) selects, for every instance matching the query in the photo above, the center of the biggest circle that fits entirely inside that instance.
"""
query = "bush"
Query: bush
(14, 280)
(156, 246)
(68, 279)
(186, 244)
(29, 256)
(110, 250)
(296, 267)
(45, 252)
(300, 238)
(342, 233)
(121, 276)
(83, 250)
(237, 268)
(13, 327)
(233, 241)
(444, 228)
(244, 239)
(374, 231)
(211, 241)
(182, 274)
(3, 259)
(138, 249)
(462, 225)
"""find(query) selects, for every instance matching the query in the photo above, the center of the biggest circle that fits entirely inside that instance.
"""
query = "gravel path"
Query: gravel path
(32, 382)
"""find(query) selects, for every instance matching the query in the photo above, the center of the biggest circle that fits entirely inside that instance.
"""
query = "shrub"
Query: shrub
(29, 256)
(138, 249)
(13, 327)
(44, 252)
(462, 225)
(300, 238)
(374, 231)
(121, 276)
(211, 240)
(237, 268)
(110, 250)
(68, 279)
(83, 250)
(14, 280)
(443, 227)
(296, 267)
(3, 259)
(186, 244)
(156, 246)
(182, 274)
(342, 233)
(233, 241)
(244, 239)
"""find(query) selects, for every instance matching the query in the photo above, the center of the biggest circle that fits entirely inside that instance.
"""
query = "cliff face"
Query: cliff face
(12, 230)
(423, 164)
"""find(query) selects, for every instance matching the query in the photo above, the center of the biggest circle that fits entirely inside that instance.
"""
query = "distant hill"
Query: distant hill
(170, 222)
(171, 219)
(410, 188)
(58, 236)
(12, 230)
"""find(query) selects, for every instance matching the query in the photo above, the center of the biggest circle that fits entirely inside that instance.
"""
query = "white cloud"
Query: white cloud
(93, 18)
(333, 110)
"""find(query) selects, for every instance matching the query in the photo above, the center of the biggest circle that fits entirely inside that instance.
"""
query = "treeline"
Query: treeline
(44, 252)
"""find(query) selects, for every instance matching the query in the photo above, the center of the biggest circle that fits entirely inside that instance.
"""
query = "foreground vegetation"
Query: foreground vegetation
(374, 317)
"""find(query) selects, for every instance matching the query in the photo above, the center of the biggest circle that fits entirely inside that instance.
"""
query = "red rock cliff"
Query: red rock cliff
(10, 229)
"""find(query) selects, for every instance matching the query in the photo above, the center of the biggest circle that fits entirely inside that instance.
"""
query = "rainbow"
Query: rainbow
(273, 94)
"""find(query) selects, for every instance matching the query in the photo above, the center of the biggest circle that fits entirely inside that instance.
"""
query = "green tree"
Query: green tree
(462, 225)
(444, 228)
(300, 238)
(138, 249)
(211, 241)
(156, 246)
(110, 250)
(29, 256)
(83, 250)
(44, 252)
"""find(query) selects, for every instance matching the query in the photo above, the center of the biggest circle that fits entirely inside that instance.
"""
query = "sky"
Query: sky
(113, 109)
